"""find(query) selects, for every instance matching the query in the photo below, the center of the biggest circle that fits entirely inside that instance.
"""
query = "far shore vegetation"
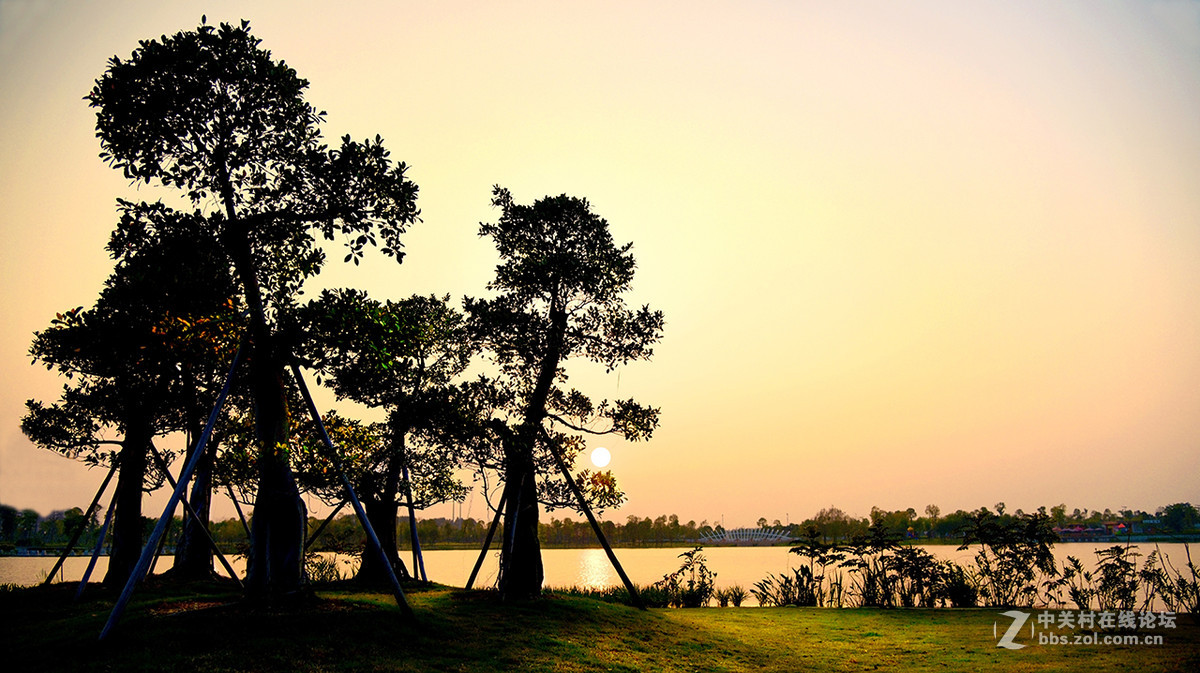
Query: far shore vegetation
(27, 529)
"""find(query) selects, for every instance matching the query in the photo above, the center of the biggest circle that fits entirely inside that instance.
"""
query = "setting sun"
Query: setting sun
(600, 456)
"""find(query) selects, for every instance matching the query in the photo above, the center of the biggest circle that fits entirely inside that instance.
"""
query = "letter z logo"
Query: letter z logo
(1006, 641)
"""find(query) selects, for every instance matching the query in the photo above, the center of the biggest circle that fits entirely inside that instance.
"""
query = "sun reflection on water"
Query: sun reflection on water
(595, 571)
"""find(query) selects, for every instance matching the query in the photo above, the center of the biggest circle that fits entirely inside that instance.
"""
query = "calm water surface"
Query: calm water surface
(579, 567)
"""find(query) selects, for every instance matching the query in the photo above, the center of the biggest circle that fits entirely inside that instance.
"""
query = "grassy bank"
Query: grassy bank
(345, 630)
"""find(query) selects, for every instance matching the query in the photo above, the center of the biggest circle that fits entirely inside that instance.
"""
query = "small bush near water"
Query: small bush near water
(323, 569)
(692, 585)
(689, 587)
(733, 595)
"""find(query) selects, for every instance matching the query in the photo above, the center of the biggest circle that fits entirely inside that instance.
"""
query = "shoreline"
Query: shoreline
(50, 552)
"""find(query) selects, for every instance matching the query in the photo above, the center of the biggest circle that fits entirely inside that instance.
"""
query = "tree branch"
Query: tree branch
(577, 428)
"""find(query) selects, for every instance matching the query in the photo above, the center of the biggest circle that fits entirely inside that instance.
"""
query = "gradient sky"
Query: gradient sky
(908, 253)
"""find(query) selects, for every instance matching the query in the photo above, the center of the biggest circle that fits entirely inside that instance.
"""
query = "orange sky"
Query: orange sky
(908, 253)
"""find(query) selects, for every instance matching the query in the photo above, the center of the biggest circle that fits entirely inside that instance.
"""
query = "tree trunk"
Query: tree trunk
(382, 512)
(521, 565)
(194, 557)
(277, 529)
(127, 527)
(279, 524)
(522, 562)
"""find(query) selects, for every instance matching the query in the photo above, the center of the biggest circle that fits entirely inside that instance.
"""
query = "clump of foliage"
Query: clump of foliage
(1116, 582)
(734, 595)
(796, 590)
(1014, 554)
(1179, 590)
(322, 568)
(1118, 579)
(1012, 551)
(873, 570)
(692, 585)
(824, 576)
(959, 586)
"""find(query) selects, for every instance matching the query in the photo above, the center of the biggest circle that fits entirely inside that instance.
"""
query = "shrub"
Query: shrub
(1118, 581)
(1012, 551)
(958, 586)
(784, 591)
(737, 595)
(692, 585)
(323, 568)
(1179, 590)
(722, 596)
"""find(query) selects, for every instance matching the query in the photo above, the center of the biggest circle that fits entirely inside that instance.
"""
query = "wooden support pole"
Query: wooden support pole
(162, 543)
(487, 541)
(372, 538)
(418, 557)
(82, 524)
(321, 528)
(162, 463)
(587, 510)
(143, 564)
(510, 539)
(87, 574)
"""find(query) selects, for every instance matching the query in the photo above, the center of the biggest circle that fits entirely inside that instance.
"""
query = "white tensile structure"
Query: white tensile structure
(746, 536)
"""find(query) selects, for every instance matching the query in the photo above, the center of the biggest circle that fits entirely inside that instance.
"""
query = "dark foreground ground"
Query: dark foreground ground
(343, 629)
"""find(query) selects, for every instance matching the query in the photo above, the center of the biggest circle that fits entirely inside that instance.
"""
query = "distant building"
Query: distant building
(746, 536)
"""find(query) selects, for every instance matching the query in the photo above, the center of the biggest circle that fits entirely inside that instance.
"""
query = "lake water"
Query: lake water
(579, 567)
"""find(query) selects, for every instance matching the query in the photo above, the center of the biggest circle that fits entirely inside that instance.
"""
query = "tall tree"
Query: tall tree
(137, 361)
(401, 357)
(212, 113)
(561, 284)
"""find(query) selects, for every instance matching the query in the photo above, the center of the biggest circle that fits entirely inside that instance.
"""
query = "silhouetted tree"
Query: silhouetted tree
(401, 357)
(561, 284)
(137, 363)
(211, 113)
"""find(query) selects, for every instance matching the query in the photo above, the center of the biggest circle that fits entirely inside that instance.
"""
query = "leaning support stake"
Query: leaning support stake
(510, 538)
(191, 511)
(418, 557)
(321, 528)
(87, 574)
(487, 541)
(143, 564)
(612, 557)
(162, 543)
(358, 508)
(82, 524)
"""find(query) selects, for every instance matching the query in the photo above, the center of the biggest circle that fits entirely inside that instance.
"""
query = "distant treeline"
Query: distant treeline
(28, 529)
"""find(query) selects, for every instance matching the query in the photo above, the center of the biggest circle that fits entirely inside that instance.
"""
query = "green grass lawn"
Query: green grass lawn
(341, 629)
